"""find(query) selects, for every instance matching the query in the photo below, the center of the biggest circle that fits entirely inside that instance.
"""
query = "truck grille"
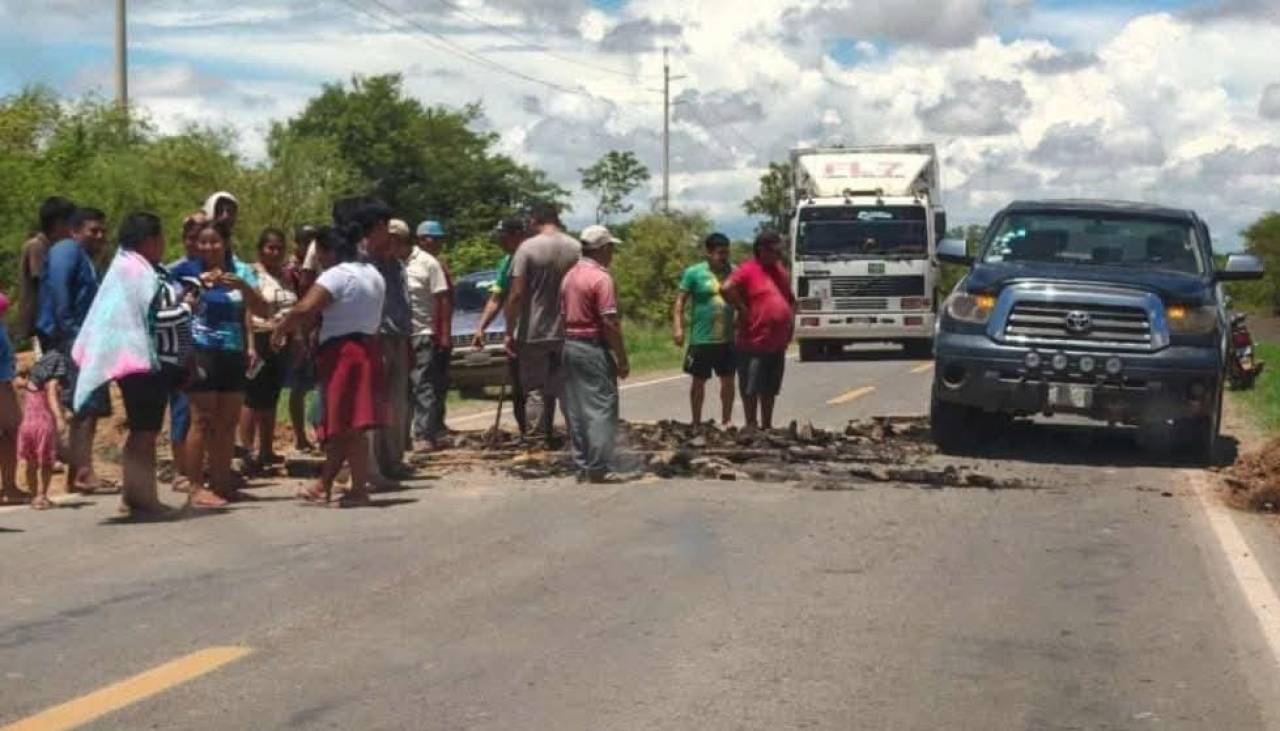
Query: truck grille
(1079, 324)
(861, 305)
(900, 286)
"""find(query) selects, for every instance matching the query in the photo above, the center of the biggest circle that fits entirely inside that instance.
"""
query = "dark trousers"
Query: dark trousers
(591, 404)
(429, 380)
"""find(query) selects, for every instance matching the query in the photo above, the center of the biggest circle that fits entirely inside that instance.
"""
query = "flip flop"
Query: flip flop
(313, 495)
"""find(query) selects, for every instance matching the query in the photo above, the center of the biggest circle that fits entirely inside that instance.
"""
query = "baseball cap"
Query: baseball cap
(594, 237)
(396, 227)
(430, 228)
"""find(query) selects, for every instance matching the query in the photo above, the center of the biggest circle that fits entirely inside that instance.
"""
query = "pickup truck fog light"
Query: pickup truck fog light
(1086, 364)
(1060, 361)
(1113, 366)
(1032, 360)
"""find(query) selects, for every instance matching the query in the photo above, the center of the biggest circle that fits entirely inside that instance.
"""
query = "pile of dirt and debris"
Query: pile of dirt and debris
(879, 450)
(1254, 480)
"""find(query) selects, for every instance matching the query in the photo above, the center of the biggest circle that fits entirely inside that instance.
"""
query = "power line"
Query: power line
(503, 31)
(439, 42)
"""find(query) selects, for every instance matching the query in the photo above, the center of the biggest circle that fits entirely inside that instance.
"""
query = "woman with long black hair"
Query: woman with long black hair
(262, 392)
(348, 297)
(224, 352)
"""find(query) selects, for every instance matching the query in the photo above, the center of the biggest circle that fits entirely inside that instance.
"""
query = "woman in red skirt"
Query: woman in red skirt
(348, 298)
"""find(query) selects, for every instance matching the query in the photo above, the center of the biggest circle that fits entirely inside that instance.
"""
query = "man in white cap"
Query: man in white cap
(393, 337)
(595, 356)
(431, 302)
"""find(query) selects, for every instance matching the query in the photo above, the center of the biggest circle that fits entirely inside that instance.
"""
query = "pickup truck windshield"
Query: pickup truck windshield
(862, 232)
(471, 292)
(1116, 240)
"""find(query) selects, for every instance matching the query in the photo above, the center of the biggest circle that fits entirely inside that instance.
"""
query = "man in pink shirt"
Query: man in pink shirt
(594, 356)
(760, 292)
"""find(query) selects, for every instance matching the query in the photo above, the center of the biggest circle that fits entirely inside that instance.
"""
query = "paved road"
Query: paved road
(477, 602)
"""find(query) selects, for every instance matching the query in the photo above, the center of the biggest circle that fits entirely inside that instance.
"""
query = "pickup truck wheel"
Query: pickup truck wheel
(955, 428)
(811, 350)
(1199, 436)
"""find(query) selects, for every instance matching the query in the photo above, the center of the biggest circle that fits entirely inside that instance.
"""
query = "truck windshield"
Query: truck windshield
(1117, 240)
(862, 232)
(472, 291)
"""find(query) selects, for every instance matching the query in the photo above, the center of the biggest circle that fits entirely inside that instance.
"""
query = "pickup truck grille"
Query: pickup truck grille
(888, 286)
(1079, 324)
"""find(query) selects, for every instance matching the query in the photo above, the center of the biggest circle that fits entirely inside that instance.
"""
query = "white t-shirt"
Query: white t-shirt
(426, 280)
(358, 291)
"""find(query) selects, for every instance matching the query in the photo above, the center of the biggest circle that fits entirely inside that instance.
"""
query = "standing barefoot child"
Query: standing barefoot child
(42, 422)
(9, 416)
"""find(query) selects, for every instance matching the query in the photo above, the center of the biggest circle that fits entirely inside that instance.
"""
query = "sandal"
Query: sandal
(42, 502)
(100, 486)
(314, 495)
(181, 484)
(204, 498)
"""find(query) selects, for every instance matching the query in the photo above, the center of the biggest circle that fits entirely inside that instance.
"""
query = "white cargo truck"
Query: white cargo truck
(864, 232)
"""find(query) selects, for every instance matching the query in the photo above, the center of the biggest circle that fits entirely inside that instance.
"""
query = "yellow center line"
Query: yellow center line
(848, 396)
(923, 368)
(99, 703)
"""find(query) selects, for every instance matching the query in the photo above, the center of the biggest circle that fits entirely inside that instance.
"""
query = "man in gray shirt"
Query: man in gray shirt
(535, 332)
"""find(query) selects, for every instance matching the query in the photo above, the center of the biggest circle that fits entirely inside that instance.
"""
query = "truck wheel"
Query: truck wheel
(1198, 437)
(919, 348)
(956, 429)
(811, 350)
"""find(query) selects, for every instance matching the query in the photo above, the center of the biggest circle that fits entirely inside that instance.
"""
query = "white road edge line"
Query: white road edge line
(1258, 591)
(624, 387)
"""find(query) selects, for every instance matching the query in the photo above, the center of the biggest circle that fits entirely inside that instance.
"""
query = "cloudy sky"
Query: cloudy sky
(1174, 101)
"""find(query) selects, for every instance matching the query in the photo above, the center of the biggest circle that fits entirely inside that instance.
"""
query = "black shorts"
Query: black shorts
(218, 371)
(760, 374)
(700, 361)
(262, 392)
(145, 397)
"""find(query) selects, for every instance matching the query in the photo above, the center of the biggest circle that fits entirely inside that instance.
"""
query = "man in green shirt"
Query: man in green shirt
(711, 341)
(511, 232)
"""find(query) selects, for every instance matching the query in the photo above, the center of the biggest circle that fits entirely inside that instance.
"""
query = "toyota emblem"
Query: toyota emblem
(1078, 322)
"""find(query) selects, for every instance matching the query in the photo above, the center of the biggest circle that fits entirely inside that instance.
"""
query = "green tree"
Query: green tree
(424, 161)
(773, 201)
(1262, 239)
(648, 266)
(613, 178)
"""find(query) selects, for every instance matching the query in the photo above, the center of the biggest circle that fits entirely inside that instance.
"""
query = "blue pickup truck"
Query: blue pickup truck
(1108, 310)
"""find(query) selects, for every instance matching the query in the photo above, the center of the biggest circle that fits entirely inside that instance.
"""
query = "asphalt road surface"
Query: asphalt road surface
(1117, 595)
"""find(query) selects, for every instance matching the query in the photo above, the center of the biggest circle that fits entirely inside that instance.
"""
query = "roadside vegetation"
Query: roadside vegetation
(1263, 400)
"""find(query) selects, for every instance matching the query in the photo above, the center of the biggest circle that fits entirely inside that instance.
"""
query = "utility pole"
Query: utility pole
(667, 78)
(666, 132)
(122, 58)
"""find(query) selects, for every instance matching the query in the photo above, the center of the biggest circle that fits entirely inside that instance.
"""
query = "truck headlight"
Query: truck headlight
(1185, 320)
(975, 308)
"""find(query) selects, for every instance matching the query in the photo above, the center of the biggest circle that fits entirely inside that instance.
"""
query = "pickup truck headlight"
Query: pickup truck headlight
(1184, 320)
(975, 308)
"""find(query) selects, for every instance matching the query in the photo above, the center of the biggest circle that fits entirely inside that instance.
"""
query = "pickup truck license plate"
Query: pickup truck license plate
(1071, 396)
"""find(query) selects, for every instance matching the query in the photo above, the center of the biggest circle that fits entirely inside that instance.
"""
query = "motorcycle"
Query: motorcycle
(1242, 368)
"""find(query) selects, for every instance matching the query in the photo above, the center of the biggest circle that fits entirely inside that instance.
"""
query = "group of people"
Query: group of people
(360, 314)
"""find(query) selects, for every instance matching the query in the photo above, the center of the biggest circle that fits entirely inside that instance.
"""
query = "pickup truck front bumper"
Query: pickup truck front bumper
(1172, 383)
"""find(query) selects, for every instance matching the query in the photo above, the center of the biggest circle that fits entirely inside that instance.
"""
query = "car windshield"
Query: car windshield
(1117, 240)
(862, 232)
(472, 291)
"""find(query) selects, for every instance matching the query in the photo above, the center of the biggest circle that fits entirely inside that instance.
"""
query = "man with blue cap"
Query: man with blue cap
(431, 300)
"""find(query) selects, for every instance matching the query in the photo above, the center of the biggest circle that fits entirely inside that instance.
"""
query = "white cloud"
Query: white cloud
(1269, 107)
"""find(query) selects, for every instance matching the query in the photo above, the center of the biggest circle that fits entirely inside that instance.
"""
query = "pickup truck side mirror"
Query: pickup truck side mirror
(954, 251)
(1240, 268)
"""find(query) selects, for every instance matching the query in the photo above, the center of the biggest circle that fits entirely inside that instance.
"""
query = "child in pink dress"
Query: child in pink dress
(42, 422)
